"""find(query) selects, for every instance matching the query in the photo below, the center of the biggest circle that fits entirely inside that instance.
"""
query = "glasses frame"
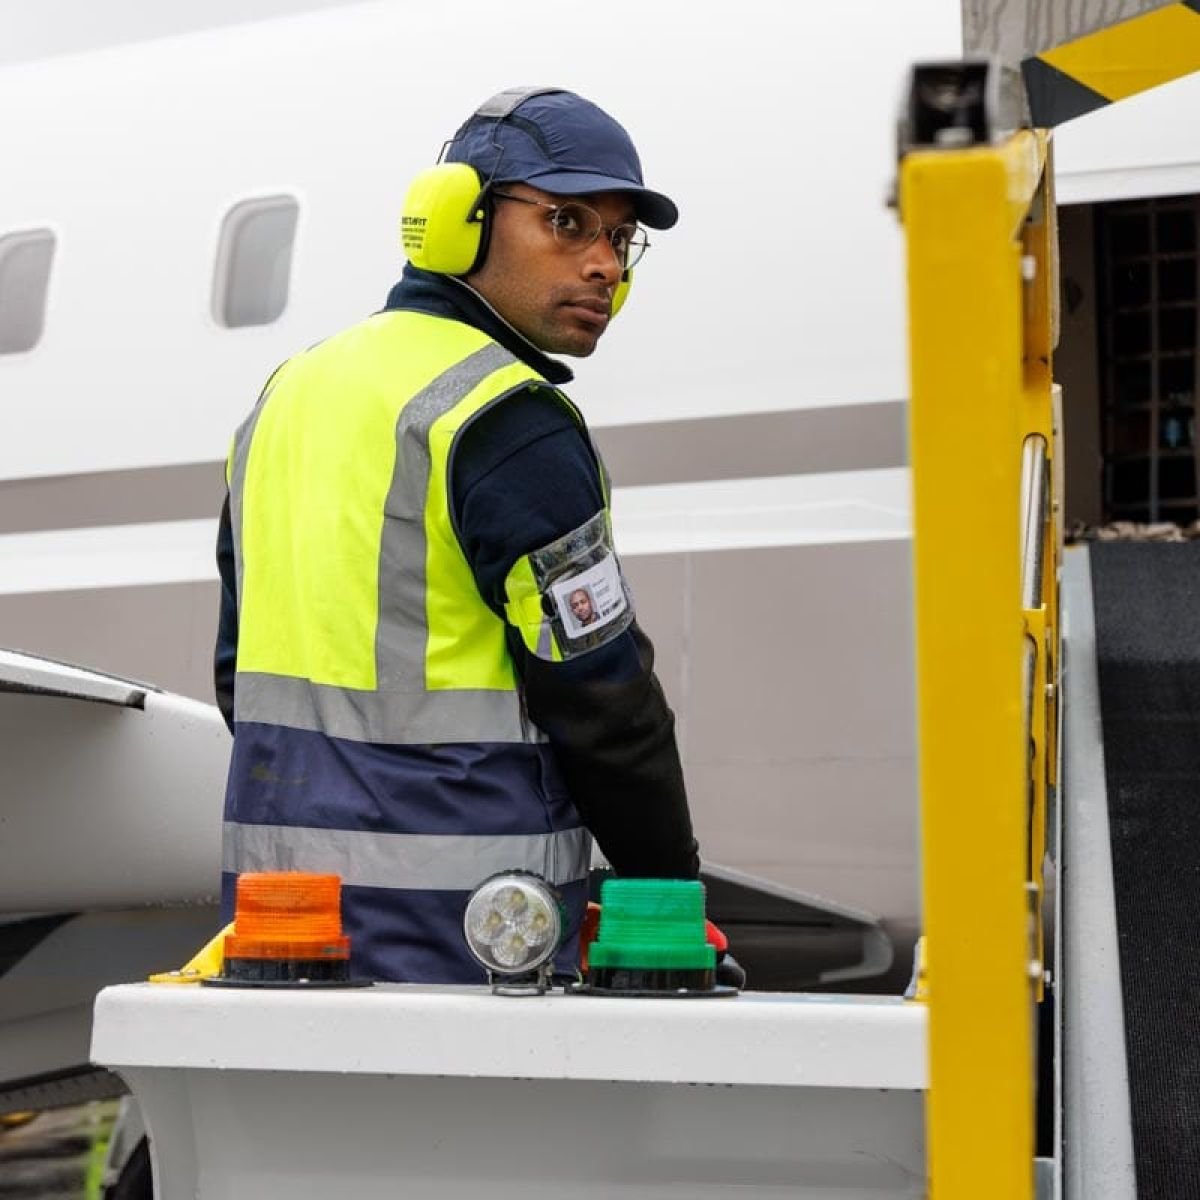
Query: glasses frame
(610, 230)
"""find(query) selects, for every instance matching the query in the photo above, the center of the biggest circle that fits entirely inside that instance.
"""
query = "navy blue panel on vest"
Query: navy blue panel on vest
(282, 776)
(403, 936)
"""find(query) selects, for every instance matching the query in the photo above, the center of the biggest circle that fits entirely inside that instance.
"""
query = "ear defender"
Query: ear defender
(443, 221)
(621, 292)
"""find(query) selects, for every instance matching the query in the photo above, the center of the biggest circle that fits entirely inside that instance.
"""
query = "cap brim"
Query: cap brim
(652, 208)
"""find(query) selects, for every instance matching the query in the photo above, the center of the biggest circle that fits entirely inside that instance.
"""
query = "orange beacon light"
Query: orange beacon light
(287, 932)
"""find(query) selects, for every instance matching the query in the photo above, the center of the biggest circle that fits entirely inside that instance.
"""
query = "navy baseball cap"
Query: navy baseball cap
(560, 142)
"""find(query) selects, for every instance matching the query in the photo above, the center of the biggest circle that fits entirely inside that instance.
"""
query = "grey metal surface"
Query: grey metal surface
(1097, 1129)
(160, 632)
(1015, 31)
(778, 931)
(45, 677)
(1033, 518)
(799, 752)
(790, 670)
(1045, 1179)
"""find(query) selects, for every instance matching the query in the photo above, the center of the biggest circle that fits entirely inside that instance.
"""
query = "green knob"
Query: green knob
(652, 925)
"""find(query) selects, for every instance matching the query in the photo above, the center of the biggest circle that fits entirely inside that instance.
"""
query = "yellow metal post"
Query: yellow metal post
(971, 341)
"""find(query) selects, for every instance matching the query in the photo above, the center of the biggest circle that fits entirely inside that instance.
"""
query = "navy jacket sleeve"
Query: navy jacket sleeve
(523, 475)
(225, 655)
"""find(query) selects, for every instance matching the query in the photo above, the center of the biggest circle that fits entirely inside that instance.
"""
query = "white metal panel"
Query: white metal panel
(452, 1092)
(289, 1136)
(108, 556)
(773, 128)
(105, 806)
(1147, 145)
(760, 1039)
(29, 674)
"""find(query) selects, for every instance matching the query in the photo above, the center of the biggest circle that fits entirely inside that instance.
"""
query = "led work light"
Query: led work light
(513, 925)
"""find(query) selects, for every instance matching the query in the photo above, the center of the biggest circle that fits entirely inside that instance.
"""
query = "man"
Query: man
(581, 606)
(409, 504)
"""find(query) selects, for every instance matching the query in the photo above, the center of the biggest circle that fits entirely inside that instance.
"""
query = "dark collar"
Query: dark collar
(445, 296)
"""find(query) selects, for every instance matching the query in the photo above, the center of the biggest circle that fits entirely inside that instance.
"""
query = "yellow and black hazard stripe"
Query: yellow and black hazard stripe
(1110, 64)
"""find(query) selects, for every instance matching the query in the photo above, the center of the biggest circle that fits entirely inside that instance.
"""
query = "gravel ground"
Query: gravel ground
(58, 1155)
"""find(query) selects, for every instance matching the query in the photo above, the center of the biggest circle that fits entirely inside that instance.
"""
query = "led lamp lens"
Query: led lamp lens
(513, 923)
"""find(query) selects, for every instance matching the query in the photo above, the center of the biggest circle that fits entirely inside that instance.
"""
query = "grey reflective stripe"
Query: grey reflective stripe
(505, 102)
(390, 718)
(423, 862)
(401, 711)
(237, 481)
(402, 632)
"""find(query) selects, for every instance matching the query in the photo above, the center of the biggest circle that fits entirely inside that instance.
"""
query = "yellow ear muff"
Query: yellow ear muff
(621, 292)
(441, 225)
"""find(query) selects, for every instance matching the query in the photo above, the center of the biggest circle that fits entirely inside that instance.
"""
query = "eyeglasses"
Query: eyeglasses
(576, 227)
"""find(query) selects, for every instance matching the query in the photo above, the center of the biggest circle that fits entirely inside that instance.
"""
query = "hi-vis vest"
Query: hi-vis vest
(379, 732)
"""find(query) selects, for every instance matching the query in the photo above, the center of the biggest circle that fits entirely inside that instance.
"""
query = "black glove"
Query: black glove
(730, 972)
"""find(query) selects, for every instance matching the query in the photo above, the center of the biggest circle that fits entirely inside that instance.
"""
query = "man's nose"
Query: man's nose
(601, 262)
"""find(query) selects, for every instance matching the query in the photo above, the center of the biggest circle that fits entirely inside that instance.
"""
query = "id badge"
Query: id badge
(584, 595)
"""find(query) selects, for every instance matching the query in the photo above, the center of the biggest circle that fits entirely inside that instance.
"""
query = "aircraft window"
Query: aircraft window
(254, 261)
(25, 260)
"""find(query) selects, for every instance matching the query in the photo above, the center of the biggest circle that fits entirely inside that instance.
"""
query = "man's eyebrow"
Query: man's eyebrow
(628, 216)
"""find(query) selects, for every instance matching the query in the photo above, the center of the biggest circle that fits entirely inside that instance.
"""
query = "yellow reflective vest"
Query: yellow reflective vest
(379, 731)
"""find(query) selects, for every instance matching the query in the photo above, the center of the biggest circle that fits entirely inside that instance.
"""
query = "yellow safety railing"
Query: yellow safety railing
(982, 285)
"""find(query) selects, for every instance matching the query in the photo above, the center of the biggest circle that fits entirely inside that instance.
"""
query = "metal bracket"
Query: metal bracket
(957, 103)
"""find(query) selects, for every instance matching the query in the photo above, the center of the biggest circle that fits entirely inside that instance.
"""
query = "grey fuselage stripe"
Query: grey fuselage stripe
(96, 498)
(421, 862)
(853, 437)
(807, 441)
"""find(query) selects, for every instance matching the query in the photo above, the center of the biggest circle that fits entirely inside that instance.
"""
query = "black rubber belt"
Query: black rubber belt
(1147, 602)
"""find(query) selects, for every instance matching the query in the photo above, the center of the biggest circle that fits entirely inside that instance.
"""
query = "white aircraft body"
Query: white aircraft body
(180, 214)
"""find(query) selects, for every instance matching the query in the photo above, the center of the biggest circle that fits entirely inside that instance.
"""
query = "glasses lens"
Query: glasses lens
(630, 243)
(575, 225)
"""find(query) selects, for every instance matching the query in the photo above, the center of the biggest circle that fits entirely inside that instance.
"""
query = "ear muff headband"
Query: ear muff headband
(443, 219)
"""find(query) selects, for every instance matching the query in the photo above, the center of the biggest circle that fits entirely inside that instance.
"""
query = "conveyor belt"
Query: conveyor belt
(1147, 607)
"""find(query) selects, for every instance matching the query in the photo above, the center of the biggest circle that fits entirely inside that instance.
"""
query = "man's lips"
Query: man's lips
(590, 310)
